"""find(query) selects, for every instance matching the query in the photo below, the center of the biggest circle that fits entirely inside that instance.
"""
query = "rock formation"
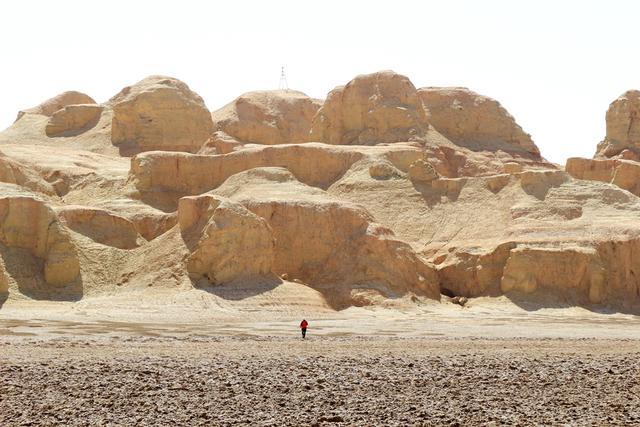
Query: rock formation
(623, 173)
(267, 117)
(228, 243)
(50, 106)
(101, 226)
(382, 192)
(73, 119)
(374, 108)
(617, 159)
(623, 127)
(474, 121)
(576, 269)
(14, 172)
(384, 170)
(422, 171)
(28, 223)
(148, 221)
(159, 113)
(169, 176)
(310, 228)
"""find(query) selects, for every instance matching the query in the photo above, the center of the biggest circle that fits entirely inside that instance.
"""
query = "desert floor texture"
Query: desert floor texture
(491, 363)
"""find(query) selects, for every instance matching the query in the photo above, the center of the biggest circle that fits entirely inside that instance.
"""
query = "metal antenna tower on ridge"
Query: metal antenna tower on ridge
(283, 85)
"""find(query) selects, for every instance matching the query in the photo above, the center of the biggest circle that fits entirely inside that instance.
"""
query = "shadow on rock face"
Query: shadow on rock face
(73, 120)
(239, 291)
(551, 299)
(538, 183)
(128, 149)
(342, 297)
(335, 297)
(27, 271)
(165, 201)
(3, 299)
(434, 191)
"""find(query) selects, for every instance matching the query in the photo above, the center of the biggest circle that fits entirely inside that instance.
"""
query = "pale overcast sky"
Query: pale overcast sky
(555, 65)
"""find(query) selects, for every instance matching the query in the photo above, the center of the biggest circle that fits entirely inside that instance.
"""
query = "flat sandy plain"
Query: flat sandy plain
(491, 363)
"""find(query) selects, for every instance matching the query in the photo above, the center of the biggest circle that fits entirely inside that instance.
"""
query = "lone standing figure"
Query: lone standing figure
(303, 327)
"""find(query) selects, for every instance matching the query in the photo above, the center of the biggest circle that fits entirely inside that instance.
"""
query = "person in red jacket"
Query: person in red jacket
(303, 327)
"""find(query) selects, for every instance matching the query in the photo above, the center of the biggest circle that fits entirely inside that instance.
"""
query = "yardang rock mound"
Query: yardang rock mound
(266, 117)
(382, 190)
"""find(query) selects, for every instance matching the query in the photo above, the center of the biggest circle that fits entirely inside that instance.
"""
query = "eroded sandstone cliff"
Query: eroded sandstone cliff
(263, 117)
(617, 159)
(380, 188)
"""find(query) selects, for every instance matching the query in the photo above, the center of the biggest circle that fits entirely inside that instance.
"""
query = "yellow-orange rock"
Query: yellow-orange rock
(474, 121)
(227, 242)
(148, 221)
(623, 173)
(101, 225)
(220, 143)
(623, 126)
(513, 167)
(384, 170)
(422, 171)
(569, 269)
(468, 227)
(168, 176)
(14, 172)
(159, 113)
(54, 104)
(310, 228)
(268, 117)
(28, 223)
(466, 207)
(73, 119)
(4, 279)
(374, 108)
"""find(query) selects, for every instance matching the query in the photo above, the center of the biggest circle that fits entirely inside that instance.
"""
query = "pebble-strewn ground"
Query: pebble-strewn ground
(321, 381)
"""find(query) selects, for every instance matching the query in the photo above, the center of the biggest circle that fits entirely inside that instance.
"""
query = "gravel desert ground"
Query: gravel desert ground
(322, 381)
(492, 363)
